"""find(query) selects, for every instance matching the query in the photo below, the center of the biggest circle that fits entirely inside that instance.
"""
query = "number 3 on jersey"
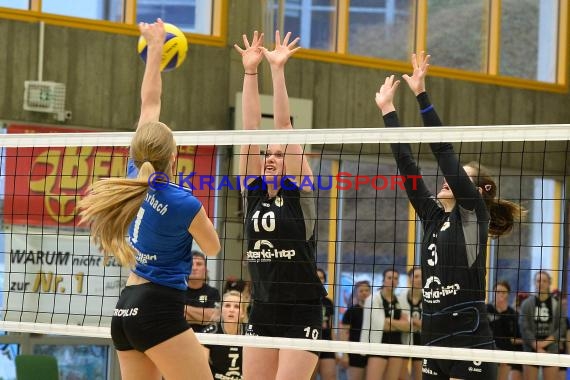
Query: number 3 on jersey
(267, 221)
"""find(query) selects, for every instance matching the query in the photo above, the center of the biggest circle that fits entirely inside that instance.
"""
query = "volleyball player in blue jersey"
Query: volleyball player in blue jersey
(148, 328)
(456, 226)
(279, 227)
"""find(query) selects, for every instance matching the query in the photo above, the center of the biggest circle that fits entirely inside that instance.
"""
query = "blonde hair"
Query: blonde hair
(112, 203)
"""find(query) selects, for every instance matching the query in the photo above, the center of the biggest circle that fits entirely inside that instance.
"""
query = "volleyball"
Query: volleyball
(174, 50)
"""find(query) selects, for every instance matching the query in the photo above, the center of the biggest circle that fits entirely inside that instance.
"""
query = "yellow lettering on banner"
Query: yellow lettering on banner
(44, 280)
(187, 150)
(60, 207)
(79, 281)
(185, 165)
(46, 178)
(101, 165)
(118, 165)
(185, 160)
(108, 164)
(47, 282)
(75, 168)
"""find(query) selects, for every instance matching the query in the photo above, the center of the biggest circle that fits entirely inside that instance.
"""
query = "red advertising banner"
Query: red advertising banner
(43, 184)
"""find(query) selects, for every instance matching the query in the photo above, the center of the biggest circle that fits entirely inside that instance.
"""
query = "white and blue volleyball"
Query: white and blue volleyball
(174, 50)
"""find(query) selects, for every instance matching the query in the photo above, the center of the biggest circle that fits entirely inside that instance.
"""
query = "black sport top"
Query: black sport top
(453, 251)
(504, 325)
(225, 361)
(280, 244)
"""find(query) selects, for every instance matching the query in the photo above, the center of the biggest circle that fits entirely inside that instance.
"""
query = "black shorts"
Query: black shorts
(284, 320)
(147, 315)
(327, 355)
(516, 367)
(357, 360)
(438, 369)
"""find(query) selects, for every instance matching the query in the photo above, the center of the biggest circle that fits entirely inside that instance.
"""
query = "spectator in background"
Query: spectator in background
(243, 287)
(412, 303)
(326, 367)
(226, 361)
(201, 298)
(351, 327)
(541, 323)
(503, 320)
(517, 369)
(384, 321)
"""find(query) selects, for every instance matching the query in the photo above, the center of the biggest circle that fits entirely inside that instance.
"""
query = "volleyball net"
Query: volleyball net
(54, 281)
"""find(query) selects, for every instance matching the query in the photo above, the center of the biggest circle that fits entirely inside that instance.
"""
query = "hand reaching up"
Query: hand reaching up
(283, 50)
(252, 54)
(385, 96)
(153, 33)
(420, 64)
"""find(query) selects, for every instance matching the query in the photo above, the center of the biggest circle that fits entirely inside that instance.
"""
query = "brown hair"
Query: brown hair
(505, 284)
(112, 203)
(503, 213)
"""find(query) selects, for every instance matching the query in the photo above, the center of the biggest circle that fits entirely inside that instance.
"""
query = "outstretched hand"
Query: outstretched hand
(385, 96)
(252, 54)
(283, 50)
(153, 33)
(420, 64)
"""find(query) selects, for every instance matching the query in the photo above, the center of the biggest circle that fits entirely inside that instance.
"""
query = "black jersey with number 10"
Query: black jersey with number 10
(281, 246)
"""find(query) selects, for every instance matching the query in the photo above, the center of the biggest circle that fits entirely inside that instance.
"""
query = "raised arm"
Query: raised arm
(296, 163)
(464, 191)
(420, 197)
(251, 55)
(151, 88)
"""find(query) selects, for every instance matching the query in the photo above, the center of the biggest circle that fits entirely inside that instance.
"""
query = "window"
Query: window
(381, 28)
(529, 39)
(456, 35)
(110, 10)
(313, 21)
(189, 15)
(205, 17)
(524, 39)
(18, 4)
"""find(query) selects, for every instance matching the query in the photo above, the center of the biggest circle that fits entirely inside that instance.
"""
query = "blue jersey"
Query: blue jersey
(132, 170)
(159, 234)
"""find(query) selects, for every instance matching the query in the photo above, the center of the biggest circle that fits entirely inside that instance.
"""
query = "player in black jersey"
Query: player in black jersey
(456, 225)
(226, 361)
(326, 368)
(542, 326)
(280, 218)
(351, 327)
(504, 324)
(412, 302)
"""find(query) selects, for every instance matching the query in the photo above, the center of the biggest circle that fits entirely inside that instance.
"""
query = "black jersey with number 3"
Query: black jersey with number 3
(453, 246)
(281, 246)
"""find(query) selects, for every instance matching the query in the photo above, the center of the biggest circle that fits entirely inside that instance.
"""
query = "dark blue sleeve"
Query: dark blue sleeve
(464, 191)
(132, 171)
(420, 197)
